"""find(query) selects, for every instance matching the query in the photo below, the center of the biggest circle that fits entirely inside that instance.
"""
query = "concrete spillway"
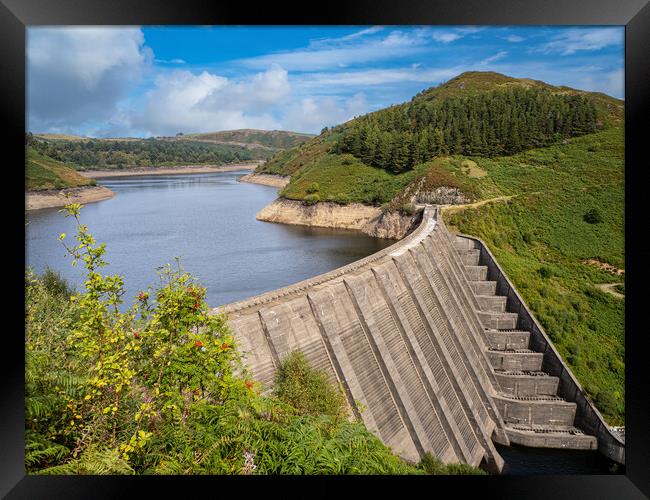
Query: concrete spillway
(435, 351)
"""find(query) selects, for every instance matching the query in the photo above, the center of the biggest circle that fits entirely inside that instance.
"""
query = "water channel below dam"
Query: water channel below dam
(208, 220)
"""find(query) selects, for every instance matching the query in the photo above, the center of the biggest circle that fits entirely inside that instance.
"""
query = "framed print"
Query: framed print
(382, 240)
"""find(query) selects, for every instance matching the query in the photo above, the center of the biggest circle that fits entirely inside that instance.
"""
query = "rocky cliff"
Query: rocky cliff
(370, 220)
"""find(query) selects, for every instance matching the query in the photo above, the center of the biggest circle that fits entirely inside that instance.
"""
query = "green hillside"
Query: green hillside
(550, 207)
(211, 148)
(272, 139)
(475, 114)
(42, 172)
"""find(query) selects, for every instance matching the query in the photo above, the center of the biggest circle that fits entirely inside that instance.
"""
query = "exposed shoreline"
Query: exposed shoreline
(187, 169)
(35, 200)
(272, 180)
(369, 220)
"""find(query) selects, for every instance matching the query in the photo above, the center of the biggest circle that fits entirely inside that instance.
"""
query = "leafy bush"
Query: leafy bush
(55, 284)
(307, 390)
(593, 216)
(606, 402)
(311, 199)
(407, 209)
(313, 188)
(433, 465)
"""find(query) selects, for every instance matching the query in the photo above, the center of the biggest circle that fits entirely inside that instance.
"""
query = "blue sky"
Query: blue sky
(152, 81)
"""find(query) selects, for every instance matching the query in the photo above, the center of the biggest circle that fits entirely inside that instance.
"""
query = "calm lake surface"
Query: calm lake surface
(208, 220)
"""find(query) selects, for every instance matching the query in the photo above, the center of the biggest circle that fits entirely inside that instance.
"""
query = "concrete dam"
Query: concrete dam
(434, 349)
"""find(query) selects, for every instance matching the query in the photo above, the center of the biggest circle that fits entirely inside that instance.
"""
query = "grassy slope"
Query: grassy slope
(42, 172)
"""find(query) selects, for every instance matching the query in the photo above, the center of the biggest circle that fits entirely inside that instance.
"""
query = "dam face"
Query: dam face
(434, 348)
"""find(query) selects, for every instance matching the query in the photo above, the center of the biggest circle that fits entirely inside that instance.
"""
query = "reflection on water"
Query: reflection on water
(206, 219)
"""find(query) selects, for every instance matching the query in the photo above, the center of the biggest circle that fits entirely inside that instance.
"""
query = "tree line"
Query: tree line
(498, 122)
(141, 153)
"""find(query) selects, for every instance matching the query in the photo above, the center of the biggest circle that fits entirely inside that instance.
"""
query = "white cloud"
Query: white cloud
(353, 36)
(471, 29)
(332, 55)
(80, 72)
(575, 39)
(171, 61)
(488, 60)
(315, 81)
(311, 114)
(186, 102)
(446, 37)
(514, 38)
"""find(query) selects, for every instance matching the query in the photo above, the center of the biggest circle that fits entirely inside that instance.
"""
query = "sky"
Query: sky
(130, 81)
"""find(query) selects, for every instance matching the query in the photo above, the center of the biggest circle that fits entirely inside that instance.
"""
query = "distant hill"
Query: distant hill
(271, 139)
(475, 113)
(43, 173)
(215, 148)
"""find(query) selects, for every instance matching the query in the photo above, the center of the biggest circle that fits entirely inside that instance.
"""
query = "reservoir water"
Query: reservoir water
(208, 220)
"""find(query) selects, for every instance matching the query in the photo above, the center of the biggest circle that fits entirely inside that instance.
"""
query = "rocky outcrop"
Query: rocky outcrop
(391, 225)
(278, 181)
(443, 195)
(370, 220)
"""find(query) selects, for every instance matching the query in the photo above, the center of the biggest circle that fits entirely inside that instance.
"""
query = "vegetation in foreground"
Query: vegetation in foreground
(160, 389)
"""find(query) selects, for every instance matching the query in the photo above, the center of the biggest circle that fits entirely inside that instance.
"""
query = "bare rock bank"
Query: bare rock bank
(369, 220)
(56, 198)
(278, 181)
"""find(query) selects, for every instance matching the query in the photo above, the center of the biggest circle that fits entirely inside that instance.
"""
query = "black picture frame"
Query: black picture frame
(17, 15)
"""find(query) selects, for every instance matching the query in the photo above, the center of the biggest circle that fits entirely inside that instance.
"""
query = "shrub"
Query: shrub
(407, 209)
(545, 272)
(593, 216)
(313, 188)
(433, 465)
(606, 403)
(306, 389)
(55, 284)
(311, 199)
